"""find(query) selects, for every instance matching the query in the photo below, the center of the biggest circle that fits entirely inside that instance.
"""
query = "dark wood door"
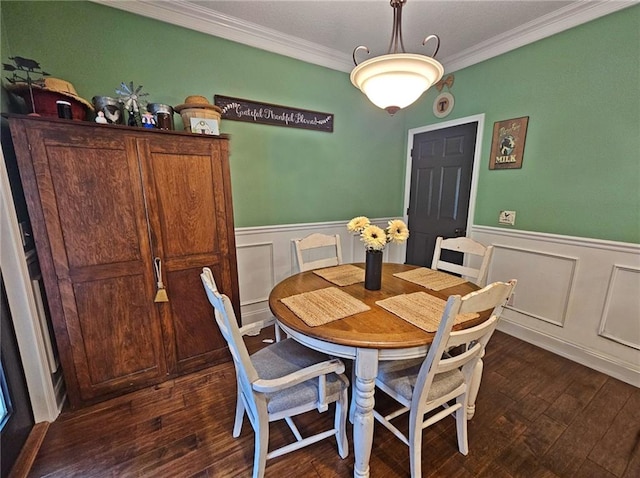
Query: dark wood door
(441, 170)
(86, 204)
(187, 185)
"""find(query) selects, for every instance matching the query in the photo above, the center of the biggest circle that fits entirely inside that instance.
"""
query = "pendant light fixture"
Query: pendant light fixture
(397, 79)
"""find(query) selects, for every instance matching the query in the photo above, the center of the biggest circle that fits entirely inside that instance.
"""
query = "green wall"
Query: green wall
(581, 92)
(581, 169)
(279, 175)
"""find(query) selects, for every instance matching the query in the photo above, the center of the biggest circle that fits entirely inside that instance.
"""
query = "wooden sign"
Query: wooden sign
(238, 109)
(507, 146)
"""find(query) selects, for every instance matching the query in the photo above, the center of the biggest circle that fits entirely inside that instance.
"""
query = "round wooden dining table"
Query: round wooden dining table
(366, 337)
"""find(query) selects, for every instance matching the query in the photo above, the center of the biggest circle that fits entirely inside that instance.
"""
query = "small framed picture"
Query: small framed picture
(507, 145)
(204, 126)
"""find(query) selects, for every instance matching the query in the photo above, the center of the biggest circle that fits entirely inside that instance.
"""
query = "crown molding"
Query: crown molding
(189, 15)
(563, 19)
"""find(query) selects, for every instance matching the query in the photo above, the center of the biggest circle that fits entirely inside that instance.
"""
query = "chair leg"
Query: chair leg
(278, 332)
(415, 445)
(237, 425)
(461, 425)
(261, 448)
(340, 424)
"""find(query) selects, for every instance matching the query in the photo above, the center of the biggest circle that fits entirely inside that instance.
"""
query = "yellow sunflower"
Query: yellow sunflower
(357, 224)
(374, 237)
(397, 231)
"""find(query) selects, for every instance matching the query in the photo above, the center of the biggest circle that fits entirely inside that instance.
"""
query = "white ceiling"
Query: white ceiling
(326, 32)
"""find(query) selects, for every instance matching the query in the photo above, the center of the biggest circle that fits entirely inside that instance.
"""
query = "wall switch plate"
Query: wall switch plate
(507, 217)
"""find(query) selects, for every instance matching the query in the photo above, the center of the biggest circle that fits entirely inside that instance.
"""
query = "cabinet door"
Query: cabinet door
(85, 199)
(189, 200)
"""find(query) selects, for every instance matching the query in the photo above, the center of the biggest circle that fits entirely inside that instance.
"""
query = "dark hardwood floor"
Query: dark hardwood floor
(538, 415)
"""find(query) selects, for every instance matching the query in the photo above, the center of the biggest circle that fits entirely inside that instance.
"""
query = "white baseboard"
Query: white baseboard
(570, 351)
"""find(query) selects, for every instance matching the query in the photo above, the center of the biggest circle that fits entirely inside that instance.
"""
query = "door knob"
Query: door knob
(459, 232)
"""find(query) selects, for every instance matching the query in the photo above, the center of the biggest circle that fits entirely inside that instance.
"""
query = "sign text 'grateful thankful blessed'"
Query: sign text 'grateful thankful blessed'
(238, 109)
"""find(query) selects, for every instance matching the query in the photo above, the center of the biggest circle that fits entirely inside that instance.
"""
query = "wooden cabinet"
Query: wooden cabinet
(104, 201)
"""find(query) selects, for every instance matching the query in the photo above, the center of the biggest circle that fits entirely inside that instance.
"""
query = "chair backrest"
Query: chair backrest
(492, 297)
(320, 250)
(225, 317)
(466, 245)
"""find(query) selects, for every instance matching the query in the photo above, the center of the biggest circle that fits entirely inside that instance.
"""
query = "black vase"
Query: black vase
(373, 270)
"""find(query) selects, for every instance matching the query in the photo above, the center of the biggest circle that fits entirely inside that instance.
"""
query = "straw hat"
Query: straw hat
(195, 101)
(54, 85)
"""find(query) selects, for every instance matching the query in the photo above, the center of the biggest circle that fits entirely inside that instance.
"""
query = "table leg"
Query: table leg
(366, 370)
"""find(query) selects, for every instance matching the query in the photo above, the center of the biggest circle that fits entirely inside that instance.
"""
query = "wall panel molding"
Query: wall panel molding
(620, 319)
(257, 260)
(547, 301)
(581, 303)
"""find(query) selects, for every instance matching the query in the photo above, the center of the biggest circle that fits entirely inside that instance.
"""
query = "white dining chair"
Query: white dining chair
(318, 250)
(429, 385)
(465, 245)
(280, 381)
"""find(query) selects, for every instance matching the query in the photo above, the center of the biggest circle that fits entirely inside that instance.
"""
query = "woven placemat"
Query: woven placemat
(420, 309)
(345, 274)
(322, 306)
(434, 280)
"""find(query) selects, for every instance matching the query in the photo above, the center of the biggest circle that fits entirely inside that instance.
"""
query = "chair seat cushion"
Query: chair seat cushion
(401, 375)
(288, 356)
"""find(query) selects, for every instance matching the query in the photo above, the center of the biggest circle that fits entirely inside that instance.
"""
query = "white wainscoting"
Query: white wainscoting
(266, 256)
(579, 298)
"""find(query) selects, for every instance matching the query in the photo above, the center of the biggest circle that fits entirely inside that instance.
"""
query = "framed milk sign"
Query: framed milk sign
(507, 145)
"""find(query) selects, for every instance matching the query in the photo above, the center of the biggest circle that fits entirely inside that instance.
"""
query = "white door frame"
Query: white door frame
(23, 309)
(476, 160)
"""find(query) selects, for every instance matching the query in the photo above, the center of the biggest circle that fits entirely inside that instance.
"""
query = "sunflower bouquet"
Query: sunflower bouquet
(374, 237)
